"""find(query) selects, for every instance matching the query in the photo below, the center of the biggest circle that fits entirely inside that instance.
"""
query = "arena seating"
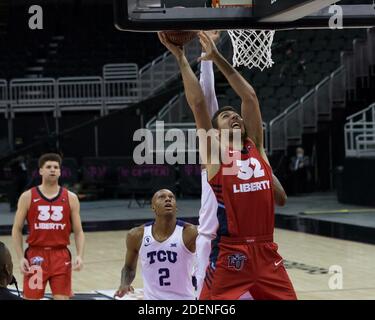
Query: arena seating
(296, 70)
(79, 46)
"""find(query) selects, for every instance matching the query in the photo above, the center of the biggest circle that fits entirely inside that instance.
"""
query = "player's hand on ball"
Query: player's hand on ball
(78, 264)
(208, 46)
(175, 50)
(123, 290)
(214, 35)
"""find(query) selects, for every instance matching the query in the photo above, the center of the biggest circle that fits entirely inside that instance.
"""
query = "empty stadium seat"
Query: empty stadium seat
(299, 91)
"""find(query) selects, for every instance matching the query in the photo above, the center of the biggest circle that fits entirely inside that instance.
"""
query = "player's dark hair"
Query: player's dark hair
(217, 114)
(2, 259)
(3, 270)
(49, 157)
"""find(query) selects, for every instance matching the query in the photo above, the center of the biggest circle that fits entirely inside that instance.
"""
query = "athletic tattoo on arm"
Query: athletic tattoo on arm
(127, 276)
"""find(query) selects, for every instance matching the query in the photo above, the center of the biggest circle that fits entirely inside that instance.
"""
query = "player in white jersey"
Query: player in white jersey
(166, 247)
(208, 222)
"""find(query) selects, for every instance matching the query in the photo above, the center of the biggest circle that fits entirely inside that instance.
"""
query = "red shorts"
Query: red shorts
(241, 265)
(51, 265)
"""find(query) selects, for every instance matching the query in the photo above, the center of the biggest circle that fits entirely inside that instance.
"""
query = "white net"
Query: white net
(252, 48)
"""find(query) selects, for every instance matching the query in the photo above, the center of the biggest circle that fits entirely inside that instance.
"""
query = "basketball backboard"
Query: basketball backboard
(157, 15)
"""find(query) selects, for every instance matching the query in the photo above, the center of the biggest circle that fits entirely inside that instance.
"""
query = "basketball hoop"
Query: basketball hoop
(252, 48)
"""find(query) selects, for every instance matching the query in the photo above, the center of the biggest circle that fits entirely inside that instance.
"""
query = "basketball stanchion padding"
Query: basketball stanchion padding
(180, 38)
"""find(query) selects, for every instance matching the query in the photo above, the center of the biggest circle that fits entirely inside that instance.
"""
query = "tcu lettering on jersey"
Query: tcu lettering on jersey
(162, 256)
(167, 266)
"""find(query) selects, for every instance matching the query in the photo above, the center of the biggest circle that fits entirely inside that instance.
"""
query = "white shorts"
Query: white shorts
(208, 224)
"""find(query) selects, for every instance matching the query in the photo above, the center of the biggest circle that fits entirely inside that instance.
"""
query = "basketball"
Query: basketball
(180, 38)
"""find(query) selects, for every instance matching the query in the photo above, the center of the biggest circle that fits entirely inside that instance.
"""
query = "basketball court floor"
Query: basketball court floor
(308, 259)
(320, 267)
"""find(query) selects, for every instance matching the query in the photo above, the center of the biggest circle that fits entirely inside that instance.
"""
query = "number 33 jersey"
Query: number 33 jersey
(49, 219)
(243, 190)
(167, 266)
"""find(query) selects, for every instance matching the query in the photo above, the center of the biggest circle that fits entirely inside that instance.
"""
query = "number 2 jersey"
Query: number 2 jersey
(49, 220)
(244, 194)
(167, 266)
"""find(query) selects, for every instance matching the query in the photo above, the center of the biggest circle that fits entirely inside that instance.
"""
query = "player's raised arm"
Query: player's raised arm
(193, 91)
(194, 96)
(207, 79)
(128, 272)
(250, 110)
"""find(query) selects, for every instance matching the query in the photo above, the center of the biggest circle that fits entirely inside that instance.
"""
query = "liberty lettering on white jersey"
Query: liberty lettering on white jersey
(167, 266)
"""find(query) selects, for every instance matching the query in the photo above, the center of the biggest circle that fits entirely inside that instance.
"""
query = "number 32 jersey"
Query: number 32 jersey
(49, 219)
(244, 193)
(167, 266)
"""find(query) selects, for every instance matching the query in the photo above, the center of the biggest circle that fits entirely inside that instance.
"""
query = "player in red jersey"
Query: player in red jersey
(244, 258)
(208, 221)
(52, 212)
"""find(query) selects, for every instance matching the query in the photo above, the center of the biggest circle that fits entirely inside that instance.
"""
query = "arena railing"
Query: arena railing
(29, 95)
(365, 143)
(303, 115)
(322, 98)
(171, 116)
(147, 78)
(121, 84)
(361, 62)
(293, 124)
(175, 110)
(360, 133)
(309, 110)
(164, 136)
(337, 88)
(285, 129)
(330, 93)
(175, 113)
(364, 58)
(266, 137)
(3, 95)
(277, 136)
(164, 114)
(154, 75)
(79, 94)
(120, 71)
(348, 62)
(119, 87)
